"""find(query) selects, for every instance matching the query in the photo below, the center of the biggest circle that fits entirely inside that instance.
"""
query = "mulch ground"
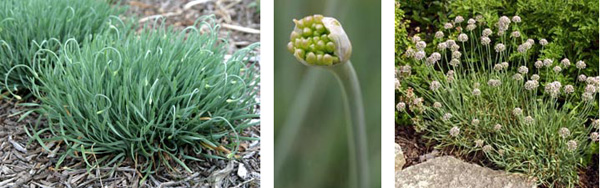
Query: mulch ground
(417, 149)
(24, 163)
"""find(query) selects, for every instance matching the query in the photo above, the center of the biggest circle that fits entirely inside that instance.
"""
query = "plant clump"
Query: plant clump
(158, 98)
(485, 95)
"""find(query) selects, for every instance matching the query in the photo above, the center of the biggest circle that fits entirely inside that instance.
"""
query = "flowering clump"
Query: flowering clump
(491, 92)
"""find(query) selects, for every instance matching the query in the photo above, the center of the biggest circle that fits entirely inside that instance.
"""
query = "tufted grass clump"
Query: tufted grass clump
(484, 94)
(26, 26)
(158, 98)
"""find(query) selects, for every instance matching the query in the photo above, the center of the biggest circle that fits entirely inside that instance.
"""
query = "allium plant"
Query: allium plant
(494, 101)
(158, 98)
(29, 25)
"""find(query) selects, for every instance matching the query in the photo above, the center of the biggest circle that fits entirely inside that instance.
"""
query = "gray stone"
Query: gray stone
(448, 171)
(400, 161)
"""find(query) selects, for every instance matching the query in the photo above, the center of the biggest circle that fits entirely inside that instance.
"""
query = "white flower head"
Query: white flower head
(476, 92)
(531, 42)
(475, 122)
(557, 69)
(543, 42)
(416, 39)
(588, 97)
(553, 88)
(568, 89)
(504, 65)
(535, 77)
(471, 27)
(454, 47)
(456, 54)
(594, 136)
(437, 105)
(590, 88)
(486, 32)
(450, 42)
(516, 19)
(421, 45)
(442, 46)
(485, 41)
(564, 132)
(487, 148)
(478, 143)
(419, 55)
(528, 120)
(448, 26)
(565, 62)
(454, 62)
(517, 111)
(582, 78)
(439, 34)
(471, 21)
(494, 82)
(497, 127)
(446, 116)
(498, 67)
(580, 65)
(400, 106)
(548, 62)
(435, 85)
(515, 34)
(538, 64)
(517, 77)
(572, 145)
(454, 131)
(409, 52)
(499, 47)
(531, 85)
(459, 19)
(523, 70)
(463, 37)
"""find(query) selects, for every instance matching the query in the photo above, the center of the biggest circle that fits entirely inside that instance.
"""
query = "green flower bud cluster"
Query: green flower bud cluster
(311, 42)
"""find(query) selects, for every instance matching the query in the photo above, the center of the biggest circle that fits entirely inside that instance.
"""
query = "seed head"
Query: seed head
(454, 131)
(478, 143)
(564, 132)
(517, 111)
(321, 41)
(543, 42)
(580, 65)
(439, 34)
(572, 145)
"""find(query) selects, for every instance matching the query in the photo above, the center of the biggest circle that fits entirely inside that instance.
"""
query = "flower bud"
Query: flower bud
(318, 40)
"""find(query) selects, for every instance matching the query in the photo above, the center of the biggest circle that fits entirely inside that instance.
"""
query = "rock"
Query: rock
(400, 161)
(448, 171)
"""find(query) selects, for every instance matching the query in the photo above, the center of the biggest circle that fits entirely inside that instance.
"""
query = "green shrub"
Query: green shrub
(25, 24)
(158, 98)
(482, 97)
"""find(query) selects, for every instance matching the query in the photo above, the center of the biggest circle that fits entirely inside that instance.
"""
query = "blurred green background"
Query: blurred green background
(315, 154)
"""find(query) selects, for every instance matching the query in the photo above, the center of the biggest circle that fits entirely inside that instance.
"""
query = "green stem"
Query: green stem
(357, 139)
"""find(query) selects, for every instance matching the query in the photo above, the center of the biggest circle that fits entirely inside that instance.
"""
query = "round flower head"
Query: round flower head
(487, 148)
(397, 84)
(416, 39)
(504, 65)
(531, 42)
(478, 143)
(528, 120)
(548, 62)
(471, 21)
(448, 26)
(501, 152)
(553, 88)
(582, 78)
(593, 81)
(479, 18)
(524, 47)
(454, 47)
(456, 55)
(319, 41)
(421, 45)
(568, 89)
(498, 67)
(418, 101)
(517, 77)
(523, 70)
(446, 116)
(442, 46)
(499, 47)
(590, 89)
(517, 111)
(572, 145)
(543, 42)
(463, 37)
(494, 82)
(454, 131)
(594, 136)
(535, 77)
(476, 92)
(475, 122)
(450, 42)
(435, 85)
(459, 19)
(454, 62)
(439, 34)
(409, 52)
(437, 105)
(486, 32)
(588, 97)
(564, 132)
(401, 106)
(485, 41)
(538, 64)
(471, 27)
(580, 65)
(497, 127)
(565, 62)
(515, 34)
(516, 19)
(557, 69)
(419, 55)
(531, 85)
